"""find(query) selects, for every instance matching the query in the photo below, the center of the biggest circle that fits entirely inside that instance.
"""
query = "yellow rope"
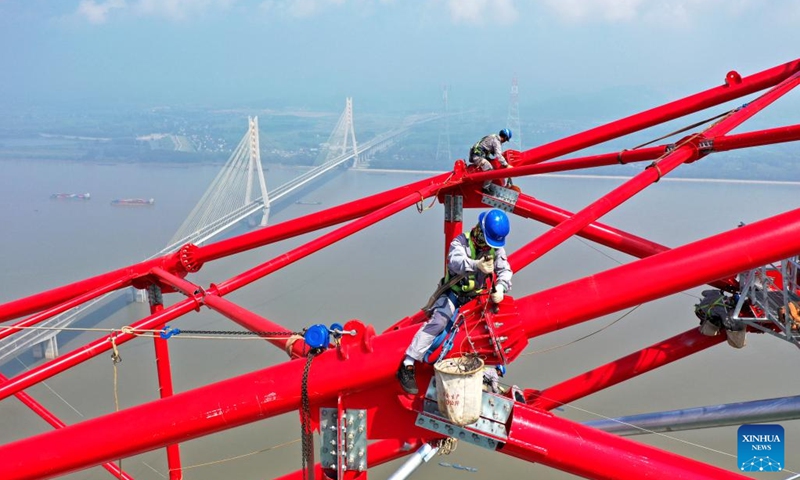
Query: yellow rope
(421, 206)
(115, 359)
(274, 447)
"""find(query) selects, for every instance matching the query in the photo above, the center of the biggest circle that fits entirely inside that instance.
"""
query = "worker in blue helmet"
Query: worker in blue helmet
(474, 258)
(489, 150)
(491, 378)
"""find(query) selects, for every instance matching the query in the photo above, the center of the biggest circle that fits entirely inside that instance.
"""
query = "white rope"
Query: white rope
(149, 333)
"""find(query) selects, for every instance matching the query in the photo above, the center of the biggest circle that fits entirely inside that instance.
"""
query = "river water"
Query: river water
(379, 275)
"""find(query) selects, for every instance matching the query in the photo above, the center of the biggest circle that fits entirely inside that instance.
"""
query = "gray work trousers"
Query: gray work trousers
(443, 310)
(484, 164)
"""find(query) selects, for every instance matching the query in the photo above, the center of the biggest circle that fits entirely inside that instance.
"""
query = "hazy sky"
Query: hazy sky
(382, 52)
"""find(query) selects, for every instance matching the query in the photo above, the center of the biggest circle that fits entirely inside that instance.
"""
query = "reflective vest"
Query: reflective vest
(467, 285)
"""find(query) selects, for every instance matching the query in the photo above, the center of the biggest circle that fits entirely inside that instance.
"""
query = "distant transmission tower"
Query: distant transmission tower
(443, 148)
(513, 117)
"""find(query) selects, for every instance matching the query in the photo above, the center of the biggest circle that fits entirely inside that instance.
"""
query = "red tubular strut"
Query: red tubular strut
(165, 389)
(171, 263)
(313, 222)
(275, 390)
(685, 153)
(635, 364)
(55, 422)
(664, 113)
(673, 271)
(541, 437)
(50, 312)
(529, 207)
(220, 406)
(724, 143)
(371, 360)
(303, 251)
(247, 319)
(58, 365)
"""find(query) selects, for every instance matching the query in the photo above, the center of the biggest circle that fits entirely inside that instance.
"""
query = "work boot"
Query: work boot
(407, 379)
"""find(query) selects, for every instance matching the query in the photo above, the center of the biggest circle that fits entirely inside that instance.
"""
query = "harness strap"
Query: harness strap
(443, 287)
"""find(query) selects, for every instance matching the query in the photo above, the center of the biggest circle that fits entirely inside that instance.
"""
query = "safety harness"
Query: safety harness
(467, 285)
(478, 150)
(460, 286)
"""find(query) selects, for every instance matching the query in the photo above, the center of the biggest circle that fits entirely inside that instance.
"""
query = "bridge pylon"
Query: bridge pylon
(230, 197)
(343, 133)
(254, 166)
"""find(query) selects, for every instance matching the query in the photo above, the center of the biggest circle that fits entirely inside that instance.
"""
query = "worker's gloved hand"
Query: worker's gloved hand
(485, 265)
(497, 295)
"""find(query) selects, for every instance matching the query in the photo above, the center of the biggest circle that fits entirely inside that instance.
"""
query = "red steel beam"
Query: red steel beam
(165, 389)
(60, 364)
(180, 285)
(92, 349)
(578, 163)
(328, 239)
(733, 89)
(55, 422)
(541, 437)
(688, 266)
(61, 308)
(530, 207)
(724, 143)
(49, 298)
(202, 411)
(314, 221)
(789, 133)
(295, 376)
(685, 153)
(248, 319)
(630, 366)
(258, 238)
(276, 390)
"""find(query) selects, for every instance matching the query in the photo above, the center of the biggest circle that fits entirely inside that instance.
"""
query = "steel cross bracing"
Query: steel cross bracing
(530, 432)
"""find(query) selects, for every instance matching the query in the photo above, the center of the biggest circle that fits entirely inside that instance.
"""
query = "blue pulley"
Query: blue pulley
(317, 336)
(336, 327)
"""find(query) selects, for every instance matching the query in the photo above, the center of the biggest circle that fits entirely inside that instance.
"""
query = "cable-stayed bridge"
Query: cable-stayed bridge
(238, 193)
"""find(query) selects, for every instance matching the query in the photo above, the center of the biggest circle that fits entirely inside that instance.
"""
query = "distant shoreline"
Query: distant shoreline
(413, 172)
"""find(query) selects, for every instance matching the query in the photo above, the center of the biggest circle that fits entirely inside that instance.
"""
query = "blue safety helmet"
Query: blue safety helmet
(495, 227)
(505, 133)
(501, 369)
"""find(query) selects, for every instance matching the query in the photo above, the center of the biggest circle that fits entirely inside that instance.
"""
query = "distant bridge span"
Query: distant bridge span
(217, 210)
(228, 201)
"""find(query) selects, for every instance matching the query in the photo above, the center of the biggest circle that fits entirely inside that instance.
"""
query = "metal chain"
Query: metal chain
(305, 419)
(240, 332)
